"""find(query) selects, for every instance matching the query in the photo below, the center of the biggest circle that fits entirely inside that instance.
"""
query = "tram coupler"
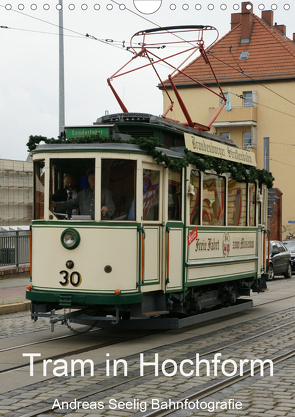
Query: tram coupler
(116, 321)
(54, 318)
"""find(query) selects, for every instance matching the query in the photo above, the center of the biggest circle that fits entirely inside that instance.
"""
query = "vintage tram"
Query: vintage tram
(186, 235)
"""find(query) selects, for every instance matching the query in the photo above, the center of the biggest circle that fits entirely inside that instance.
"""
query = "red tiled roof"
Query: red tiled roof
(271, 56)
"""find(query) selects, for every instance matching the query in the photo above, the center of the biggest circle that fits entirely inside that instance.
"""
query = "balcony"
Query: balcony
(237, 116)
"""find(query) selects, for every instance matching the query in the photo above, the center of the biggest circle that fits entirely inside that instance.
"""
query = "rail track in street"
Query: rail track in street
(264, 333)
(268, 336)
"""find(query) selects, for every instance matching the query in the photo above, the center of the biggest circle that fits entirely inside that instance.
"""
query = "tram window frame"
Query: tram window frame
(153, 201)
(123, 191)
(76, 168)
(175, 193)
(195, 212)
(252, 202)
(215, 213)
(39, 193)
(232, 220)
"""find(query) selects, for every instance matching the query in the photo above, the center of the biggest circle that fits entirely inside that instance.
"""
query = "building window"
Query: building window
(225, 135)
(221, 101)
(247, 140)
(248, 99)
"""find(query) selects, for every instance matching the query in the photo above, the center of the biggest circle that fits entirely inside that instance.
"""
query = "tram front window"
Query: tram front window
(72, 185)
(118, 177)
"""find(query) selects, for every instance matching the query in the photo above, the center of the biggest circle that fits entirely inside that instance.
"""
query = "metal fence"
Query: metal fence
(14, 247)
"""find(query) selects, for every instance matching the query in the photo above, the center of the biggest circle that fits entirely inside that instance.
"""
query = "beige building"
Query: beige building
(16, 193)
(255, 65)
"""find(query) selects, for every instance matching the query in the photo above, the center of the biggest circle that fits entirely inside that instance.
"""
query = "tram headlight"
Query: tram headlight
(70, 238)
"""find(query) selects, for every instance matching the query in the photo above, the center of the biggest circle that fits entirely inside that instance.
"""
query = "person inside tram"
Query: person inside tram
(67, 193)
(84, 201)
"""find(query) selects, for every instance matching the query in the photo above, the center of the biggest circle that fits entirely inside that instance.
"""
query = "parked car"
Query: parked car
(279, 260)
(290, 245)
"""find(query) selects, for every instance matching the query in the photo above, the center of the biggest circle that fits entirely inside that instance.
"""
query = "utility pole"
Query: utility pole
(61, 72)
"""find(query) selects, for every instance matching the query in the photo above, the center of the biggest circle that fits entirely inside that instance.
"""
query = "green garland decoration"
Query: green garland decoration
(238, 171)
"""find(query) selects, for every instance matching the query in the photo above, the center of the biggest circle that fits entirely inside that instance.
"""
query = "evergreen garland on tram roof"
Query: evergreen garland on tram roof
(238, 171)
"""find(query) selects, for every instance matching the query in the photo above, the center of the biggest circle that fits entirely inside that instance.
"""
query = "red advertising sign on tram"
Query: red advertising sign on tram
(192, 236)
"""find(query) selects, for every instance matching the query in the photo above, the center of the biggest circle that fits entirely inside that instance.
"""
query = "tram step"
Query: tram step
(65, 300)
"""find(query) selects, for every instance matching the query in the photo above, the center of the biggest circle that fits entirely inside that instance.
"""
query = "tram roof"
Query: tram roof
(160, 122)
(104, 147)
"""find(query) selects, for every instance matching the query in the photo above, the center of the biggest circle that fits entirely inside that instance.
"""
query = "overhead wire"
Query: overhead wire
(64, 28)
(221, 47)
(111, 43)
(136, 14)
(251, 78)
(280, 162)
(105, 41)
(264, 105)
(40, 31)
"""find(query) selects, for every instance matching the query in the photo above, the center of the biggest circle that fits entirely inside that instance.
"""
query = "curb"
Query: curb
(14, 270)
(15, 308)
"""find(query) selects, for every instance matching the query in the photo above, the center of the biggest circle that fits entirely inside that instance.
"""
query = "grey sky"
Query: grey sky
(29, 58)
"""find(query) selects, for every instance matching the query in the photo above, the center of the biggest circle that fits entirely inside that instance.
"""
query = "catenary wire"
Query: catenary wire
(142, 17)
(248, 76)
(64, 28)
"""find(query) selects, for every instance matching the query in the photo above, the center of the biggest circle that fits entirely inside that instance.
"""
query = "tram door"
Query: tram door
(162, 246)
(152, 224)
(174, 231)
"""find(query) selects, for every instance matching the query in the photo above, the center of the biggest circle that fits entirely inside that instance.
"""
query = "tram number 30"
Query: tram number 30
(74, 278)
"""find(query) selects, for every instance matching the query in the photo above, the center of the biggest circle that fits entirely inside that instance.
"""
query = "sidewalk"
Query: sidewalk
(13, 283)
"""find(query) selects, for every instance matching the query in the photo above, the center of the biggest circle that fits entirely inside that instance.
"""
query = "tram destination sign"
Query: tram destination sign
(209, 147)
(86, 131)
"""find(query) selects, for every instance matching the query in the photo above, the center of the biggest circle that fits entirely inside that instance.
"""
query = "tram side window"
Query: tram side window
(174, 194)
(69, 180)
(195, 198)
(39, 174)
(213, 200)
(118, 177)
(151, 185)
(252, 205)
(237, 203)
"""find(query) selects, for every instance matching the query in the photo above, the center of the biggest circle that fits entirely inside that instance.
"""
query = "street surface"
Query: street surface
(261, 333)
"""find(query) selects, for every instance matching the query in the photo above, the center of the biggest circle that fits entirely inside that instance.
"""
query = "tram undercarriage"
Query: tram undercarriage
(157, 310)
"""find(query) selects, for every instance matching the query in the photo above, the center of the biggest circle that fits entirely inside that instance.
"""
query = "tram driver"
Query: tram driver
(84, 201)
(67, 193)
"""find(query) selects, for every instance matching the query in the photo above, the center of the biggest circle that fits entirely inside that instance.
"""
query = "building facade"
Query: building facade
(255, 66)
(16, 193)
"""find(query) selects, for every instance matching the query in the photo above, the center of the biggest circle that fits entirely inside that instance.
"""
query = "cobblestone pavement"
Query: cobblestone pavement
(17, 324)
(271, 395)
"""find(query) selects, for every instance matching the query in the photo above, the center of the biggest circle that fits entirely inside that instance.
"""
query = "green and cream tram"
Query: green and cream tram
(185, 235)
